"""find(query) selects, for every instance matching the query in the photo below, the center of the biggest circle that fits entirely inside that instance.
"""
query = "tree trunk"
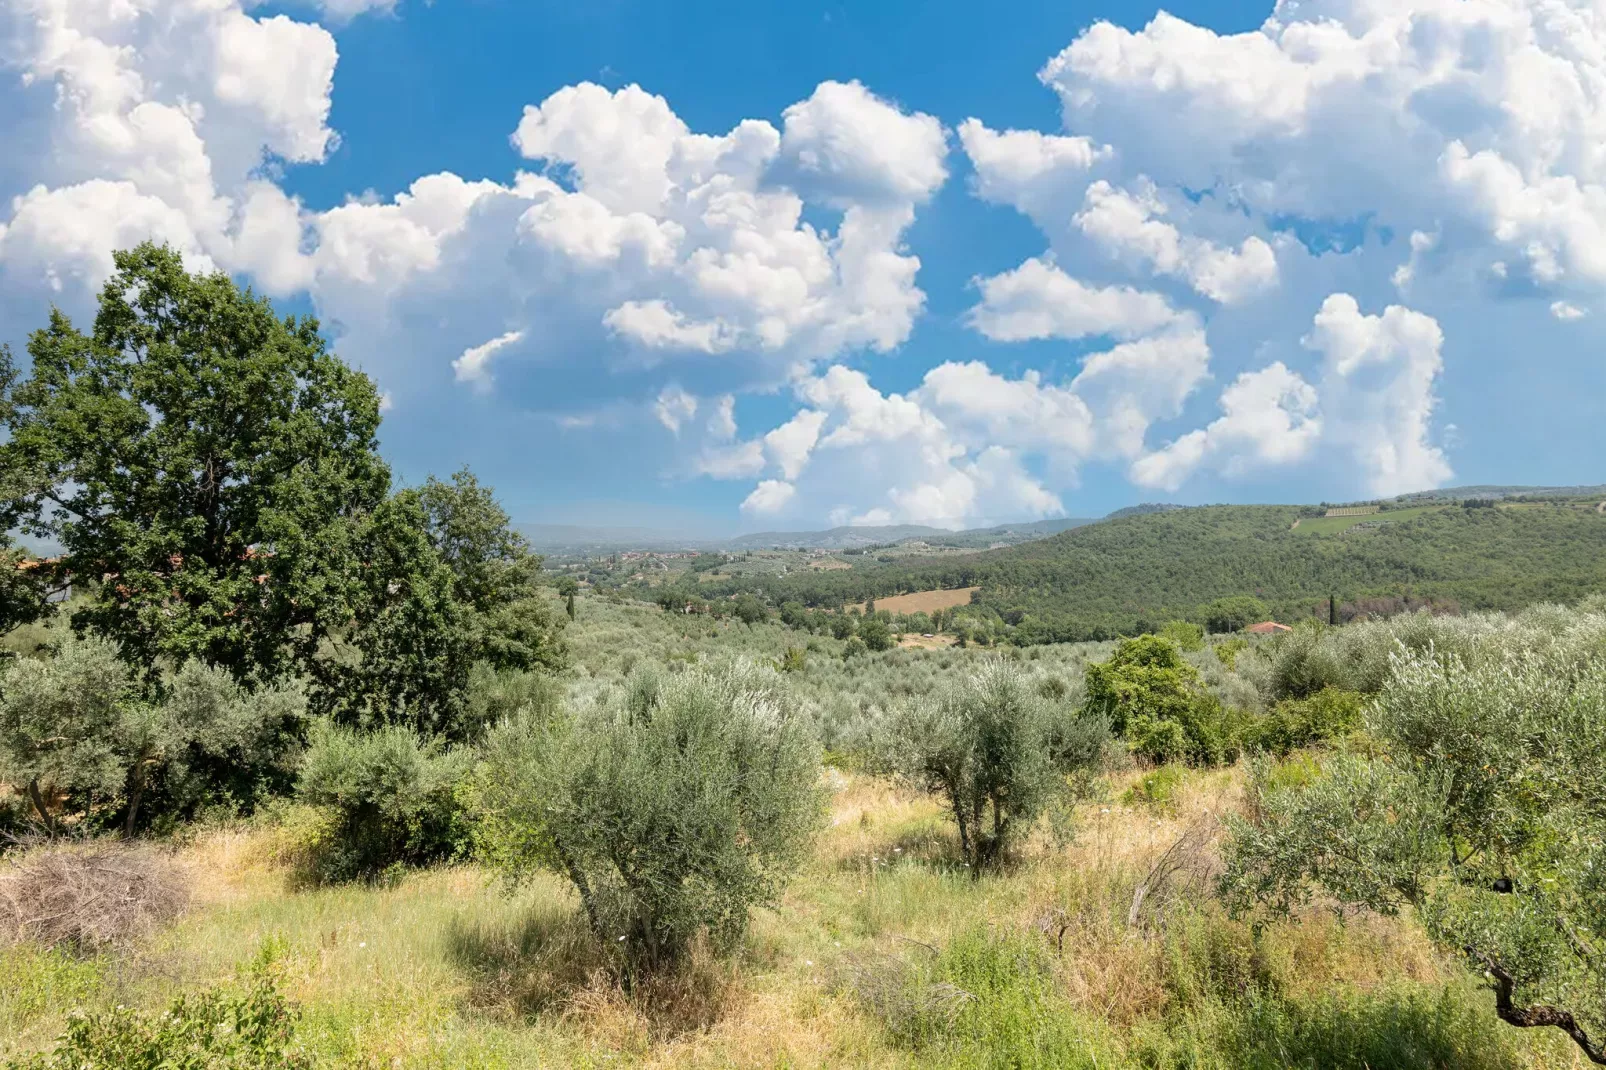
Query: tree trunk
(964, 835)
(584, 888)
(1534, 1017)
(136, 788)
(38, 800)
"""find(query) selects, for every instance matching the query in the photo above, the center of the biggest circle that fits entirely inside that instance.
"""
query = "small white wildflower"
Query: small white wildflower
(363, 944)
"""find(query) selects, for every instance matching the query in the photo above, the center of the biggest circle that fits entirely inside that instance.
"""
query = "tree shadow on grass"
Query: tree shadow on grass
(528, 965)
(928, 842)
(547, 963)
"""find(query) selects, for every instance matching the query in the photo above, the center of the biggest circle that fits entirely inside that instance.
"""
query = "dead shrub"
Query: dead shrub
(88, 898)
(899, 994)
(1182, 873)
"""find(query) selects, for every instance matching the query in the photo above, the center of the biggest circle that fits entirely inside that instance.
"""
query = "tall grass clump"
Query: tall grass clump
(986, 999)
(673, 813)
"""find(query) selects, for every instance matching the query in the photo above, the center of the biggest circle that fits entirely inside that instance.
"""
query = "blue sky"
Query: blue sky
(1227, 253)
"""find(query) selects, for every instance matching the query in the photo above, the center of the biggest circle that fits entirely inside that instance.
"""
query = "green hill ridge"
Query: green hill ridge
(1124, 574)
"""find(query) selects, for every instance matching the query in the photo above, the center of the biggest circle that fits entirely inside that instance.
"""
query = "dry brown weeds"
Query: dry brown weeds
(90, 897)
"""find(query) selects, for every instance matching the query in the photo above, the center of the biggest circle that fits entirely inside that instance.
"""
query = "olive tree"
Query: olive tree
(1483, 807)
(673, 813)
(76, 733)
(997, 752)
(391, 794)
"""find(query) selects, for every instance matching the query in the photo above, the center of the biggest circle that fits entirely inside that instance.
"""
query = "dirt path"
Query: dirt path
(1298, 519)
(1601, 508)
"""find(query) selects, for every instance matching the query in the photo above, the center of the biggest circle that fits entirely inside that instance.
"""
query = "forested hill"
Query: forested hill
(1115, 575)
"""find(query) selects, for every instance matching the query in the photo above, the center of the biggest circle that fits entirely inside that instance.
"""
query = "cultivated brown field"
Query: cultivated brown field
(923, 601)
(921, 642)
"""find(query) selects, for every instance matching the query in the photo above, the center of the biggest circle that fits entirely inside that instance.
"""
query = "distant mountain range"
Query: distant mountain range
(1501, 491)
(581, 539)
(577, 539)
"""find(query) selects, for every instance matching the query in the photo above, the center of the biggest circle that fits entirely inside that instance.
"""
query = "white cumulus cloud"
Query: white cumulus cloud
(1039, 300)
(474, 366)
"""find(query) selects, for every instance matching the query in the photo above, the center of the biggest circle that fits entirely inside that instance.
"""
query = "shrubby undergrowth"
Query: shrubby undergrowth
(392, 798)
(249, 1026)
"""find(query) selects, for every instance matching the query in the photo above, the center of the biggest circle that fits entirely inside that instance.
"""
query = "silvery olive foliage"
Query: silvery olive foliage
(673, 811)
(997, 750)
(1480, 803)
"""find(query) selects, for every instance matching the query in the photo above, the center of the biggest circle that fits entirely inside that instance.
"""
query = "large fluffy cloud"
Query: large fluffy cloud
(1372, 406)
(1264, 252)
(149, 118)
(632, 243)
(1482, 114)
(640, 245)
(1440, 157)
(968, 445)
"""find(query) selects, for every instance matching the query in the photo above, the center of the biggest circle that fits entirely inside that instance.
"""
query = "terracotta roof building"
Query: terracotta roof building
(1267, 627)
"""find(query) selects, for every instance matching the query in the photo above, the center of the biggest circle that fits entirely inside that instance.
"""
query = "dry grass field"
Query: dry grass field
(1047, 964)
(923, 601)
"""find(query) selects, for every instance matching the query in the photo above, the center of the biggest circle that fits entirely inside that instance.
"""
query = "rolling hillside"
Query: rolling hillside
(1118, 575)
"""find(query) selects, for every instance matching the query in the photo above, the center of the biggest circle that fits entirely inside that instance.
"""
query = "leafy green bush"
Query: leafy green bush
(1300, 722)
(1189, 637)
(750, 610)
(997, 753)
(1481, 808)
(1154, 698)
(794, 659)
(392, 796)
(1234, 614)
(221, 1029)
(672, 816)
(875, 634)
(1227, 652)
